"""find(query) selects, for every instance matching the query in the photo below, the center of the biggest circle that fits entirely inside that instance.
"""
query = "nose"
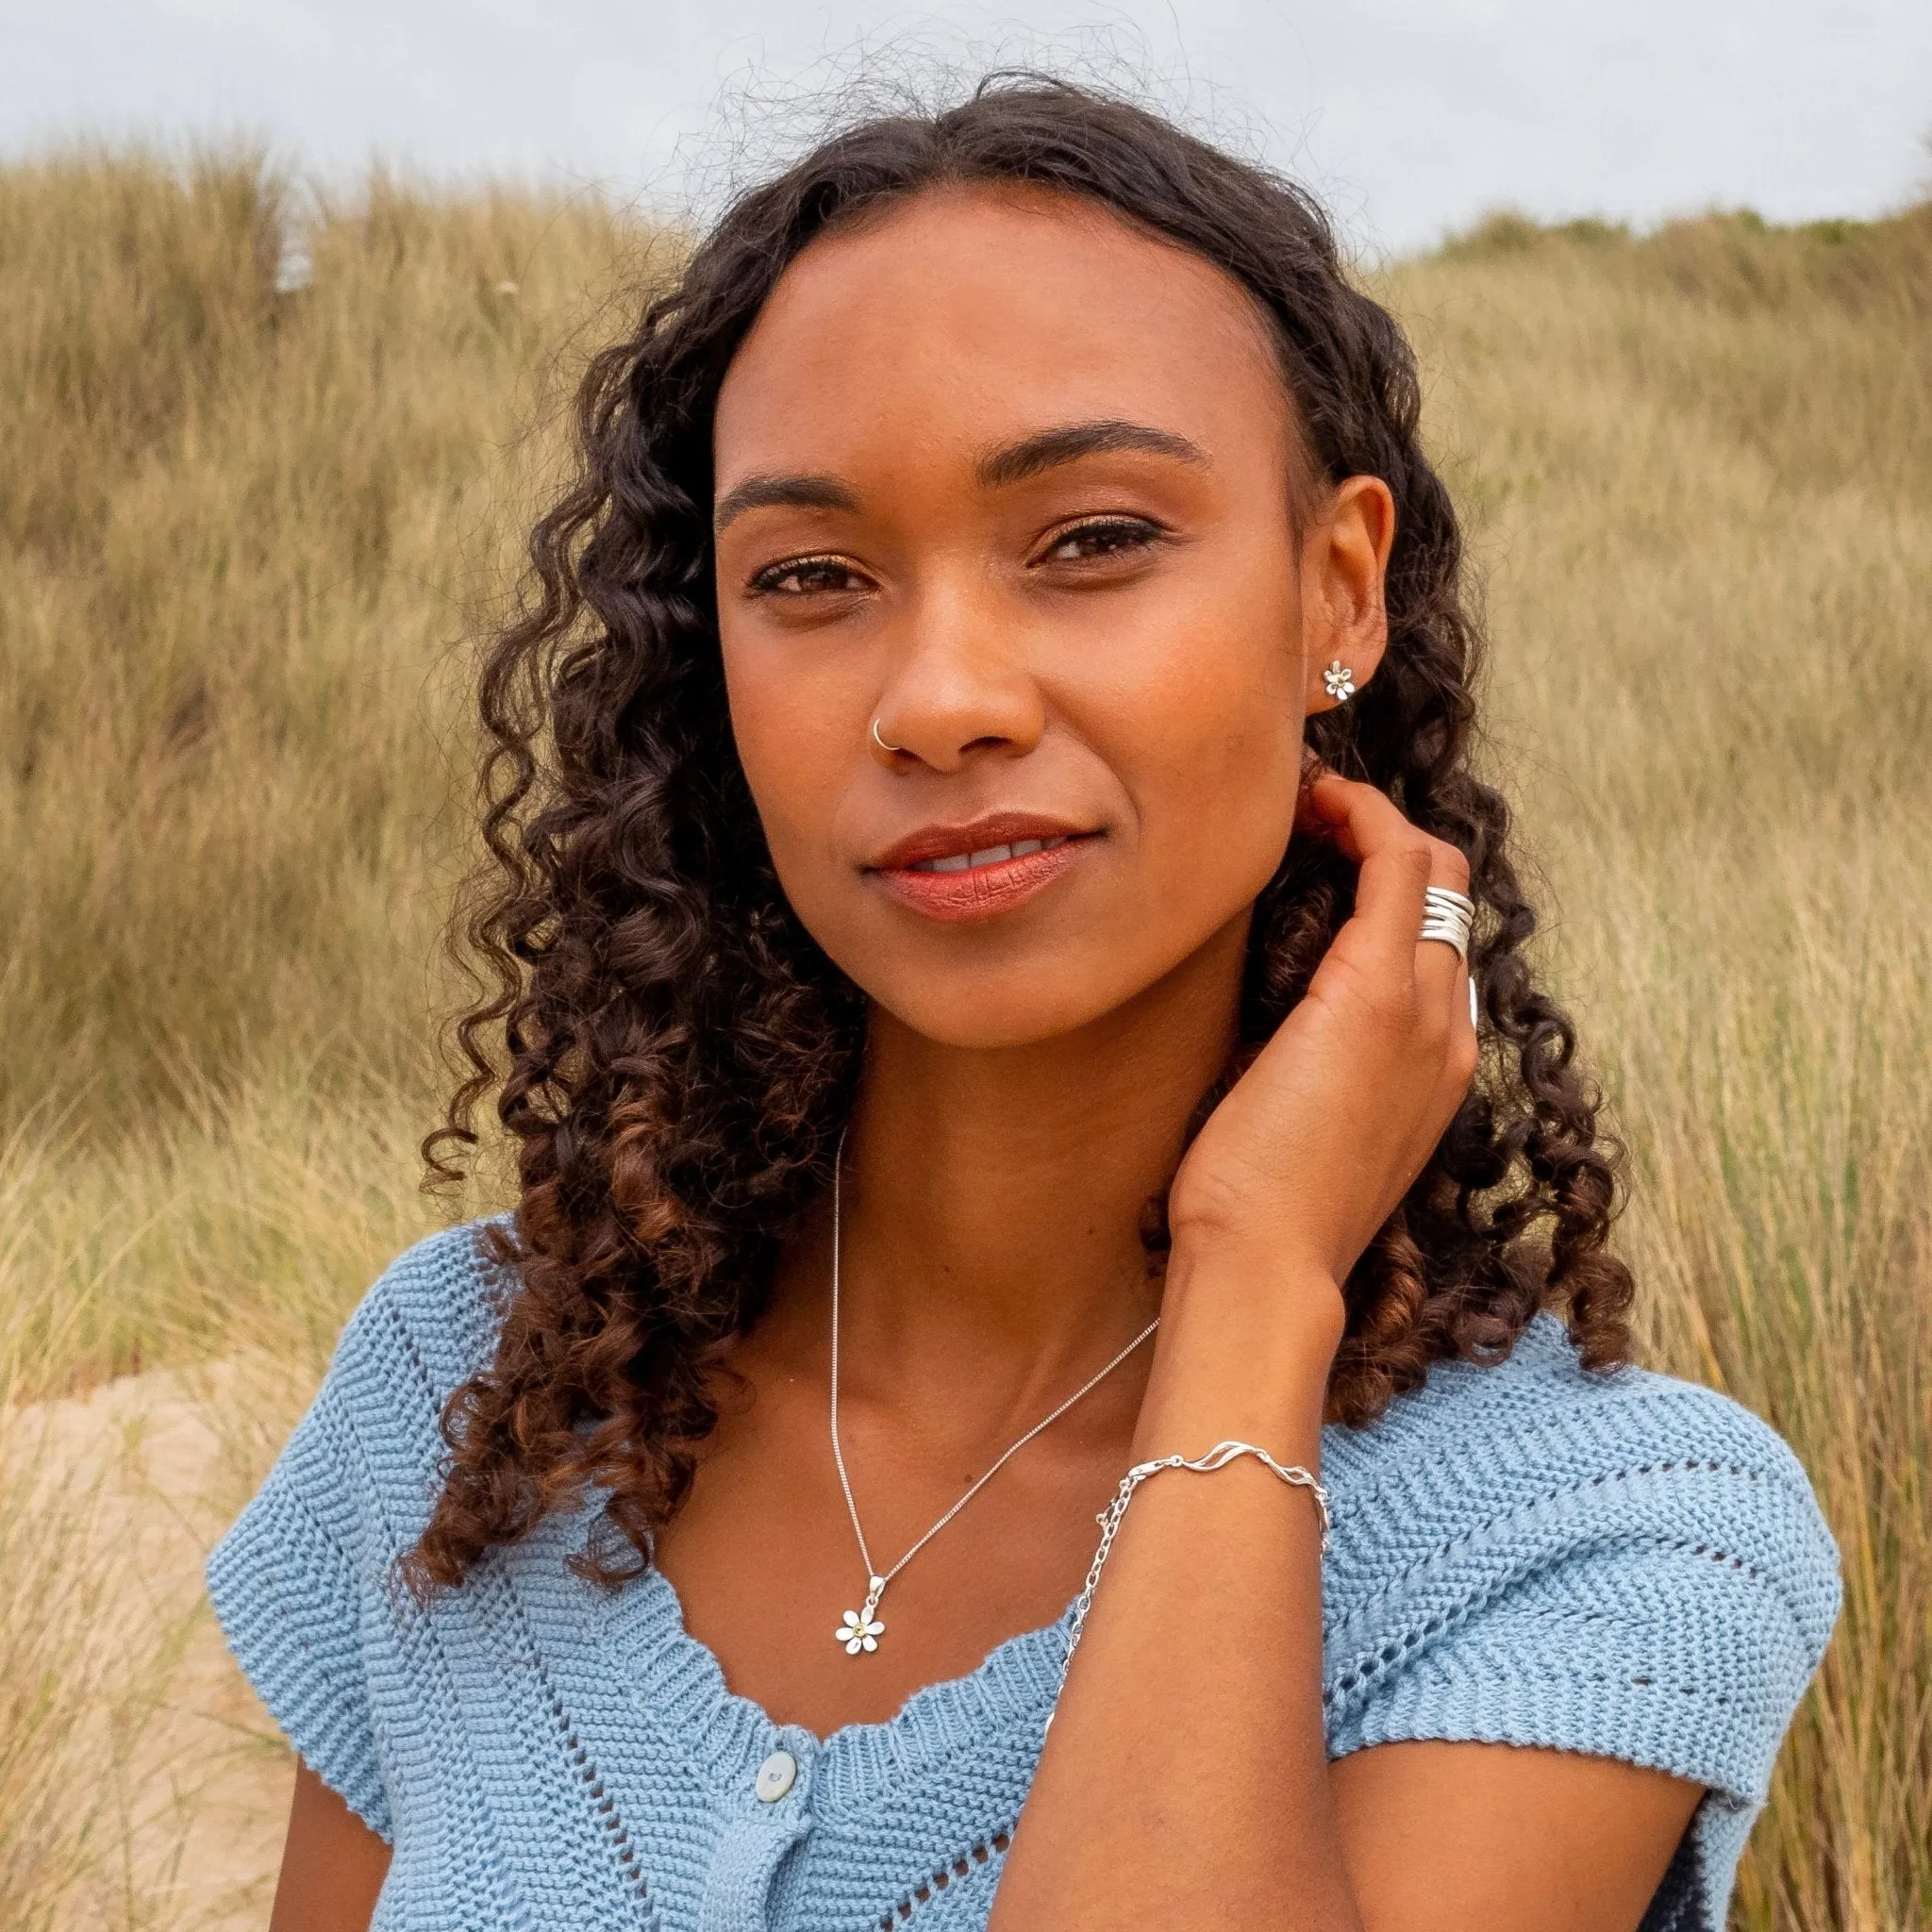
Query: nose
(958, 688)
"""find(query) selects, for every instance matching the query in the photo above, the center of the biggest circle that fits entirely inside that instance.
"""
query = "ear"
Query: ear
(1344, 556)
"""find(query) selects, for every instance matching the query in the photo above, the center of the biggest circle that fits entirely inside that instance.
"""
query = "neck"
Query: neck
(995, 1199)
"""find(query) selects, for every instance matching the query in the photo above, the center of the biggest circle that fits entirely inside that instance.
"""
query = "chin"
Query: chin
(981, 989)
(987, 1021)
(1036, 995)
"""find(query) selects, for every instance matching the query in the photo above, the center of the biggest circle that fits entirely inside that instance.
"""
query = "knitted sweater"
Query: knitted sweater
(1626, 1566)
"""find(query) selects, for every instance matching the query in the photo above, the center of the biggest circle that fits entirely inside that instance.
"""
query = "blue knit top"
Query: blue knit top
(1626, 1566)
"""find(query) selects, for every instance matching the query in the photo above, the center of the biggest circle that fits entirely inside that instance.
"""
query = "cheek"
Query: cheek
(1204, 726)
(796, 761)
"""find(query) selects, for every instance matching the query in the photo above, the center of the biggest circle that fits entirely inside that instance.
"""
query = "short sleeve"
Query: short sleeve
(305, 1584)
(286, 1586)
(1667, 1615)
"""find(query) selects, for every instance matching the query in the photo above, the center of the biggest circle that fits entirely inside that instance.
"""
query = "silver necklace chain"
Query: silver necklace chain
(861, 1630)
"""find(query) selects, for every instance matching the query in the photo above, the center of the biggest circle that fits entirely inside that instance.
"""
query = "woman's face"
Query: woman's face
(1013, 481)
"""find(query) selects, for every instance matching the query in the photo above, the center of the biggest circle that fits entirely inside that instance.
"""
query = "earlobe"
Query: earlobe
(1351, 658)
(1355, 542)
(1334, 680)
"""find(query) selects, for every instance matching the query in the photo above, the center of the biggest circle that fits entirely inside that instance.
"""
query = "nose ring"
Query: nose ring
(880, 741)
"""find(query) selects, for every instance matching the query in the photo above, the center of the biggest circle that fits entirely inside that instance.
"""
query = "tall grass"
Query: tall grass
(239, 533)
(1703, 468)
(237, 530)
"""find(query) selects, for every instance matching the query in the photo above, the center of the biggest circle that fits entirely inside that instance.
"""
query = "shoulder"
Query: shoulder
(1535, 1531)
(427, 1322)
(302, 1582)
(1538, 1440)
(363, 1464)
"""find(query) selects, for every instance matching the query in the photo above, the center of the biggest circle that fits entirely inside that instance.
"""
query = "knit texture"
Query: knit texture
(1624, 1566)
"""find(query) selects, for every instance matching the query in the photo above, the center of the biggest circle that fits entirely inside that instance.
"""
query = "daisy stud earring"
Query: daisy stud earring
(1338, 680)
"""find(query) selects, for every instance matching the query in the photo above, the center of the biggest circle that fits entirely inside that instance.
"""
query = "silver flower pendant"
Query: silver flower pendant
(861, 1630)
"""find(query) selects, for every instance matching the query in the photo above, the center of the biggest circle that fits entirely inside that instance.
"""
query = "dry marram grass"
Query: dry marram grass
(239, 532)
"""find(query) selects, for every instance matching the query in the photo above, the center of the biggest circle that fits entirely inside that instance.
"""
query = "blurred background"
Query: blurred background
(290, 303)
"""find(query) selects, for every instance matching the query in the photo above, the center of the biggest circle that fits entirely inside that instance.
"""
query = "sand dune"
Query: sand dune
(172, 1750)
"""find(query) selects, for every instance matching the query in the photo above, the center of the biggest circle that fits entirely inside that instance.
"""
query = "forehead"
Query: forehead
(968, 312)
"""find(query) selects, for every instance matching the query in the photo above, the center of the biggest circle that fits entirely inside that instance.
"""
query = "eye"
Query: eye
(802, 576)
(1101, 536)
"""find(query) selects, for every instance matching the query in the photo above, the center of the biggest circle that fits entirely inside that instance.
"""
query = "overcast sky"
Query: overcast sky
(1410, 117)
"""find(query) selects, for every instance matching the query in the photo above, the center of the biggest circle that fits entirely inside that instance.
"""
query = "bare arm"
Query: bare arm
(332, 1864)
(1438, 1838)
(1185, 1784)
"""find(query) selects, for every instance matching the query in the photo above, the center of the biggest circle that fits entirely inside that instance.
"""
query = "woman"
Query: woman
(983, 825)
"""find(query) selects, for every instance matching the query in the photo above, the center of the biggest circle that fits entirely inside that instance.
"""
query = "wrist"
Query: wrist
(1247, 1338)
(1261, 1284)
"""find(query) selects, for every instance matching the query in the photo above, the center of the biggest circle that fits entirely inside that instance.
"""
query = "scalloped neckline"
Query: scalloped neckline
(681, 1688)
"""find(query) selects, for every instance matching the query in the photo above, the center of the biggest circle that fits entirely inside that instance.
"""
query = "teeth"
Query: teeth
(991, 855)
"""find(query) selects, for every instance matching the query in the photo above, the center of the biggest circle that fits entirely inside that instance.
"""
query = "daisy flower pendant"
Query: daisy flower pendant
(860, 1630)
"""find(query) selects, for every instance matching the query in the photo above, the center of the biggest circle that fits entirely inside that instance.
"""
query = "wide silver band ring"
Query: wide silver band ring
(1448, 916)
(1450, 935)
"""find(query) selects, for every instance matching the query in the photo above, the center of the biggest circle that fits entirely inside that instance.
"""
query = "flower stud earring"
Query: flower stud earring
(1339, 681)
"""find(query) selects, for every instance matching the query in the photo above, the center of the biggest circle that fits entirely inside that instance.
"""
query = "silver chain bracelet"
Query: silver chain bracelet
(1217, 1458)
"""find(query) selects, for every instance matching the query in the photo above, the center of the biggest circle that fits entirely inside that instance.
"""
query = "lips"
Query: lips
(994, 855)
(981, 870)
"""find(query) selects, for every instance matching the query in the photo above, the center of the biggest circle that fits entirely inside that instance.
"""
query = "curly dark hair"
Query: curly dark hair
(681, 1056)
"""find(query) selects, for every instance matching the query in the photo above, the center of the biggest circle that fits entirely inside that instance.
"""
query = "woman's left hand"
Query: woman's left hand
(1322, 1135)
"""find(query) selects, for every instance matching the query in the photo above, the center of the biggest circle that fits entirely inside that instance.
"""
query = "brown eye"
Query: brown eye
(1104, 537)
(801, 576)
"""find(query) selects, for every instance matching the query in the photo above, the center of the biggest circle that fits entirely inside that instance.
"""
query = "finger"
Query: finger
(1443, 978)
(1397, 862)
(1441, 972)
(1365, 825)
(1461, 1056)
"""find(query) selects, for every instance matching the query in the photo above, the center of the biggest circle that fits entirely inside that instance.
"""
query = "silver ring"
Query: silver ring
(880, 741)
(1448, 916)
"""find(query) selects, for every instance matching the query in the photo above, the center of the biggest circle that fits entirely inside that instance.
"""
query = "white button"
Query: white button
(776, 1776)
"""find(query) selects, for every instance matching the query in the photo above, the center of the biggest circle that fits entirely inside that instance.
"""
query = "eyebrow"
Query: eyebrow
(1012, 462)
(1016, 461)
(783, 492)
